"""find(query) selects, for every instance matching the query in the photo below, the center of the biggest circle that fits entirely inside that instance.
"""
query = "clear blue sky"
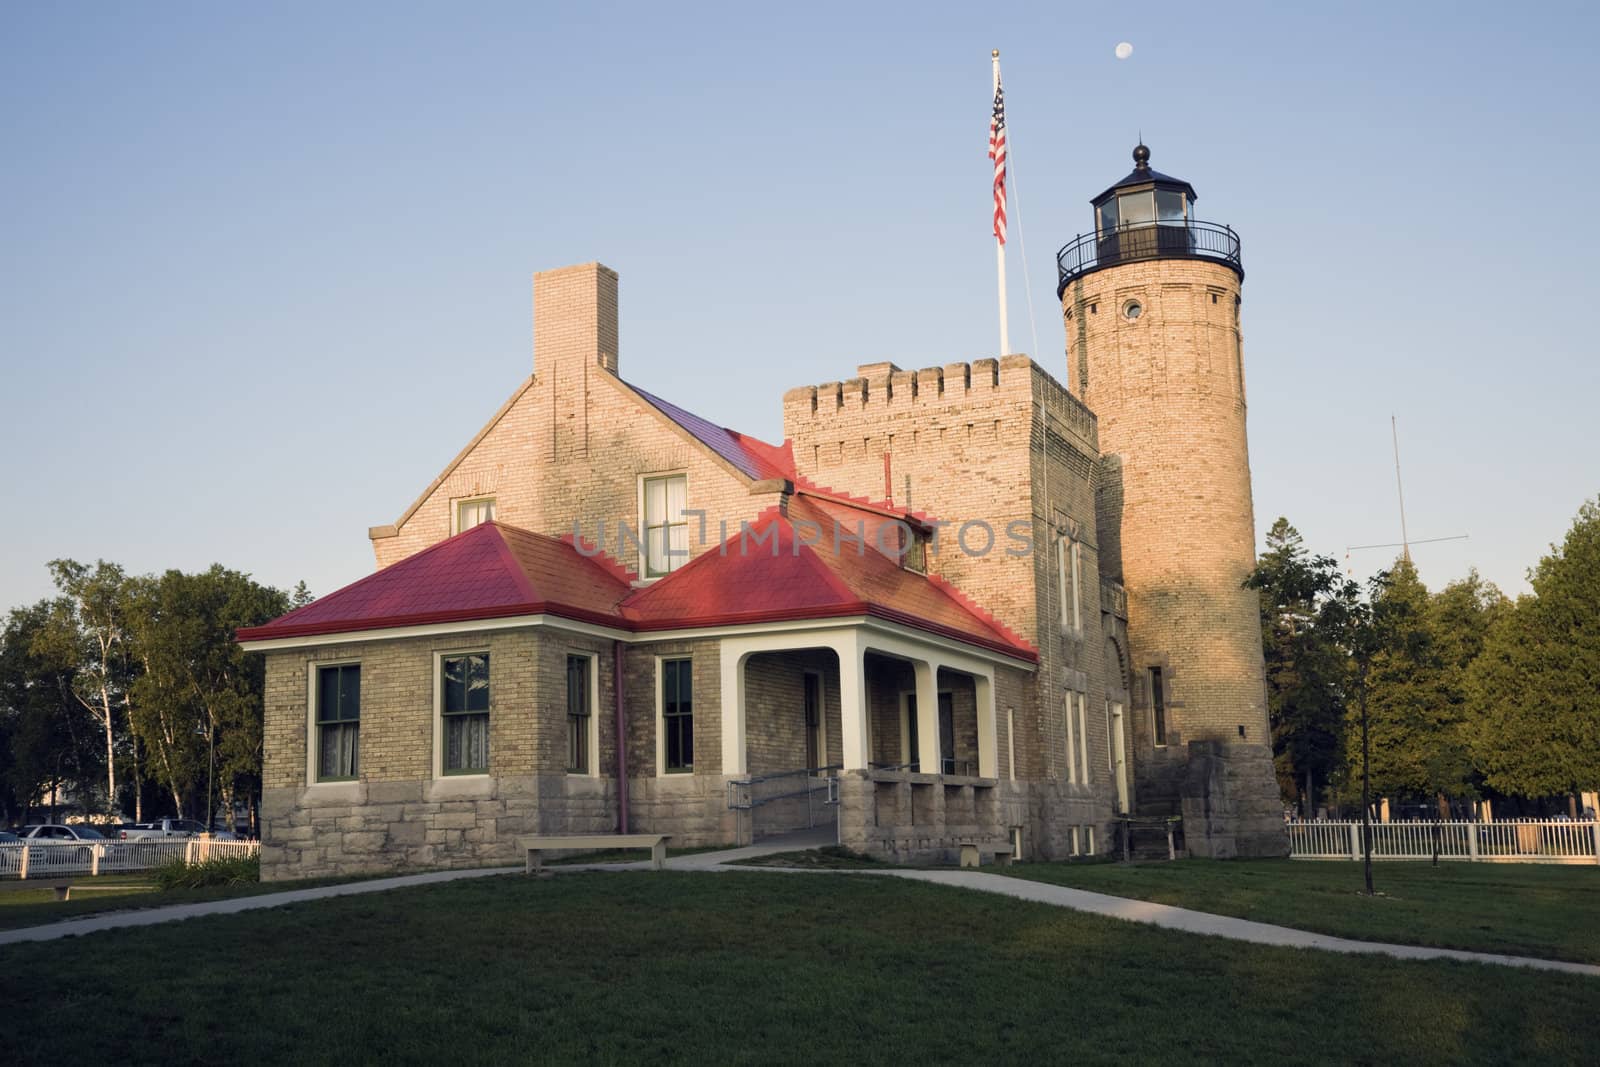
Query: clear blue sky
(264, 269)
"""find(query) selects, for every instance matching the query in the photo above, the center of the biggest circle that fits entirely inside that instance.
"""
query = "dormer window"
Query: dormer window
(915, 554)
(470, 513)
(666, 527)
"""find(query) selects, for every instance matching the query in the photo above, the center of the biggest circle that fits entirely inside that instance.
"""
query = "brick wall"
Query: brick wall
(1168, 389)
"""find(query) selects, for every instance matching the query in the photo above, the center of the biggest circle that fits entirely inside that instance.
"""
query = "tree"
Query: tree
(1306, 667)
(199, 700)
(46, 735)
(1415, 687)
(1535, 689)
(86, 632)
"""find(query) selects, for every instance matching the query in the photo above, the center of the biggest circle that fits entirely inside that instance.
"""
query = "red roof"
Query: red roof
(490, 571)
(765, 576)
(497, 571)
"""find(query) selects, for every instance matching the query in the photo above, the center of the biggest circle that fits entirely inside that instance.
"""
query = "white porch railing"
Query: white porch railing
(51, 859)
(1510, 841)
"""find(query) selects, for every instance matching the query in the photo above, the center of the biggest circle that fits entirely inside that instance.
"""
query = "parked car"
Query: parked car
(8, 838)
(60, 832)
(162, 828)
(61, 835)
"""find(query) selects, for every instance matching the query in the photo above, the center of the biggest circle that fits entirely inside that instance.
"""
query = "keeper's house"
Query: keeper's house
(607, 612)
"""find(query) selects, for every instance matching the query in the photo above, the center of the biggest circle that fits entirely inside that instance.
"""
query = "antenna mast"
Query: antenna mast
(1405, 540)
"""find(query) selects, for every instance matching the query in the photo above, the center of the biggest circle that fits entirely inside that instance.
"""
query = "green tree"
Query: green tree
(1535, 689)
(85, 634)
(1415, 689)
(199, 700)
(46, 736)
(1306, 667)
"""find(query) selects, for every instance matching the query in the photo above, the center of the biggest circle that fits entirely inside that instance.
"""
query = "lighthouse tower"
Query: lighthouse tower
(1151, 300)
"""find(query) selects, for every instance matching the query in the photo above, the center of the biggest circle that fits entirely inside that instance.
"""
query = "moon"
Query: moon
(1124, 50)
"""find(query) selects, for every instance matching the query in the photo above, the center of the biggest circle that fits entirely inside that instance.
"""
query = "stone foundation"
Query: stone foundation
(921, 818)
(1231, 804)
(370, 827)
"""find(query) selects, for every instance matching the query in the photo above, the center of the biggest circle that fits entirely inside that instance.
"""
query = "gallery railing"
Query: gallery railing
(1151, 240)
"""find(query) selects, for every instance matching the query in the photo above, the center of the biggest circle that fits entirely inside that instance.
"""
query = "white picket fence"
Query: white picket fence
(51, 859)
(1509, 841)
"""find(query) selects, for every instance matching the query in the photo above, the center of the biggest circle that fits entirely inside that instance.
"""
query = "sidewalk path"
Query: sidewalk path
(1142, 911)
(150, 916)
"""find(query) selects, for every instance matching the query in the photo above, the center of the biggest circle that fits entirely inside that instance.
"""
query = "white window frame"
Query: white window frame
(1158, 739)
(643, 530)
(1069, 583)
(439, 656)
(661, 716)
(1083, 737)
(457, 505)
(1072, 752)
(313, 741)
(1011, 746)
(593, 740)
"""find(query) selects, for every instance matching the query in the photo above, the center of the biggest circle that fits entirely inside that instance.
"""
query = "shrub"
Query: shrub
(180, 875)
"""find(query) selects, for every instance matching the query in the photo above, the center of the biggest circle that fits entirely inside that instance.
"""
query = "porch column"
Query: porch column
(855, 740)
(988, 737)
(733, 715)
(928, 754)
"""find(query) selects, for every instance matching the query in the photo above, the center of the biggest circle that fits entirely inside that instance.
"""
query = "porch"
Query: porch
(893, 738)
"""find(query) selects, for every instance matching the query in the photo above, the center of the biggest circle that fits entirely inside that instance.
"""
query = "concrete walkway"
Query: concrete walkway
(116, 920)
(1141, 911)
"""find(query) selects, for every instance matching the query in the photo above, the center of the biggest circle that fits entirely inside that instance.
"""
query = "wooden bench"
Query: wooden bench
(972, 854)
(536, 846)
(65, 886)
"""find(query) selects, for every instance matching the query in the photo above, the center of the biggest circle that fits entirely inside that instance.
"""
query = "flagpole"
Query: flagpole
(999, 245)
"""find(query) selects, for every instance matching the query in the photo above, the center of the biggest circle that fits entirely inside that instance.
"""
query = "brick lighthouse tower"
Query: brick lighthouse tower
(1151, 301)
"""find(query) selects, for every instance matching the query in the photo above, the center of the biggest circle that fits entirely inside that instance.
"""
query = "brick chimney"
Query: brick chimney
(574, 321)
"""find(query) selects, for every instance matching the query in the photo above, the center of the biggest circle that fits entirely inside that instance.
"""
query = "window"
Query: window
(470, 513)
(666, 528)
(465, 713)
(1077, 705)
(338, 722)
(1069, 584)
(812, 699)
(1158, 707)
(1132, 310)
(1082, 702)
(579, 711)
(1072, 749)
(677, 714)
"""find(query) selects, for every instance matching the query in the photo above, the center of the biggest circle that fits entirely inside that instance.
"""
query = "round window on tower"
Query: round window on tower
(1132, 310)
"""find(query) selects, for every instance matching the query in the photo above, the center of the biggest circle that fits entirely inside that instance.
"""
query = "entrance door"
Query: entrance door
(1119, 754)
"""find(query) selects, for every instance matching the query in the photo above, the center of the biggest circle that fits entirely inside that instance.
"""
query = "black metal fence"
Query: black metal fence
(1164, 240)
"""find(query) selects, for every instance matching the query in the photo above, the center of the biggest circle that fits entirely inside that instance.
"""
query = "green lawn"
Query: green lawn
(1525, 910)
(125, 892)
(755, 967)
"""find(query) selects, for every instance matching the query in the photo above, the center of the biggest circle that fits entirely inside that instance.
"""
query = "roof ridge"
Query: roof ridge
(944, 585)
(806, 486)
(507, 556)
(598, 556)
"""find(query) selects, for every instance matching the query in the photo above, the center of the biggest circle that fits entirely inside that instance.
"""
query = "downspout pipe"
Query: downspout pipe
(622, 738)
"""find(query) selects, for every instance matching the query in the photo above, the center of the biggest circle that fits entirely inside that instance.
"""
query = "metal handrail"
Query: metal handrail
(741, 791)
(1189, 239)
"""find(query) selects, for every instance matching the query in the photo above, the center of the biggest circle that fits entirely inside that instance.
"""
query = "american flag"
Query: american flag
(997, 152)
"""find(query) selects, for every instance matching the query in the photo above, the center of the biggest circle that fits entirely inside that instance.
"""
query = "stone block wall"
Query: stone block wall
(1231, 803)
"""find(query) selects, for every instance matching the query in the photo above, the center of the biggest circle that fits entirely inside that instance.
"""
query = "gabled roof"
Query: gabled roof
(490, 571)
(788, 566)
(777, 573)
(752, 457)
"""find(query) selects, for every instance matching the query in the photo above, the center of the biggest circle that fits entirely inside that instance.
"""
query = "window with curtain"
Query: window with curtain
(578, 711)
(677, 714)
(464, 711)
(666, 528)
(470, 513)
(338, 722)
